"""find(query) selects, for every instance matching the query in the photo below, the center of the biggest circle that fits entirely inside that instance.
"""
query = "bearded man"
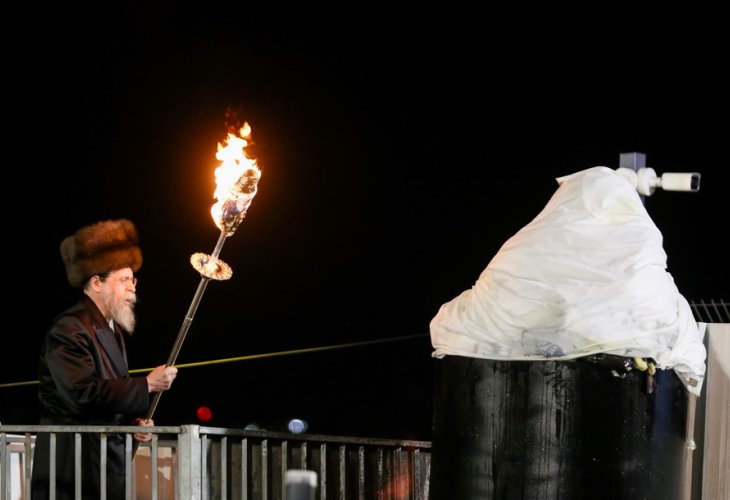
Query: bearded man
(83, 372)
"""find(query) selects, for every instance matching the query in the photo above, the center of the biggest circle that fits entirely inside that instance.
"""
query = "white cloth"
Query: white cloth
(587, 275)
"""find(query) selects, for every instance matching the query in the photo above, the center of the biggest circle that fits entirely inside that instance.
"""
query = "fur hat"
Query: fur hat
(100, 248)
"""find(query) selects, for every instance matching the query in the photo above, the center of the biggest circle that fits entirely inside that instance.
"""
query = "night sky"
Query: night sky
(397, 156)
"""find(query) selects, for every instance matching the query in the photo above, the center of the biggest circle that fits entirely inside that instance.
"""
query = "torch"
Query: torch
(237, 179)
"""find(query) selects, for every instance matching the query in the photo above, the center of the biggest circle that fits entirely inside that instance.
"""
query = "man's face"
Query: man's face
(119, 296)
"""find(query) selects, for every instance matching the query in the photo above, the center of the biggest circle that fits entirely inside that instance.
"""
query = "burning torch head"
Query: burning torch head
(234, 208)
(237, 179)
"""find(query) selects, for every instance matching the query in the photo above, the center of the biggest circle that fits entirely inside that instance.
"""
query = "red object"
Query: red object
(204, 414)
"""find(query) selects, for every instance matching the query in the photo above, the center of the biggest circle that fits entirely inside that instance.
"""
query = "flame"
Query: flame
(236, 180)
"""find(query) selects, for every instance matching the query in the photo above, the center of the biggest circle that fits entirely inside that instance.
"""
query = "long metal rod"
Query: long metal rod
(181, 336)
(177, 346)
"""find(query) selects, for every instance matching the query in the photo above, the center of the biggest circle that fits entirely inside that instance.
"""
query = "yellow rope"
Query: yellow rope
(251, 356)
(644, 366)
(640, 363)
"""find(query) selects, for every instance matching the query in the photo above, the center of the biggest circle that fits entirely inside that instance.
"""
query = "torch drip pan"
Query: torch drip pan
(211, 267)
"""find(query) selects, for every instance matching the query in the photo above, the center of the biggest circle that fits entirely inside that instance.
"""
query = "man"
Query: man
(83, 371)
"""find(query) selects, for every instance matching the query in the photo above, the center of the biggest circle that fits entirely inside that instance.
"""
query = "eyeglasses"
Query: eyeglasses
(125, 281)
(128, 280)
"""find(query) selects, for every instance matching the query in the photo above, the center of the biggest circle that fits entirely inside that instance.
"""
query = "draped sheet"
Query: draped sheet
(587, 275)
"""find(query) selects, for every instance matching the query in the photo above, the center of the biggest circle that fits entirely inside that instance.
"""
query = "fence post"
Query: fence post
(189, 462)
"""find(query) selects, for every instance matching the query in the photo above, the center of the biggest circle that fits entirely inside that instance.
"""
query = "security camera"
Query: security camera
(685, 181)
(646, 180)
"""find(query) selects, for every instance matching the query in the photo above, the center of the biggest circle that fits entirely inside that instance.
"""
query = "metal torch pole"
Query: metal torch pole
(181, 337)
(204, 279)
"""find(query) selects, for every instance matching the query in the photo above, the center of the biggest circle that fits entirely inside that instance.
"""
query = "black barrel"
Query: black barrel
(558, 430)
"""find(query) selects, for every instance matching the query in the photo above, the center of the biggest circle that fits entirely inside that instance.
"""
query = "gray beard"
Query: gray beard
(123, 315)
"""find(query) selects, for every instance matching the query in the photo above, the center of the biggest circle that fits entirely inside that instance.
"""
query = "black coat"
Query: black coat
(84, 380)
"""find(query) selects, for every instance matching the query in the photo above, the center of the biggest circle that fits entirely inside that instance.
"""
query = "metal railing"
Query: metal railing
(711, 311)
(193, 462)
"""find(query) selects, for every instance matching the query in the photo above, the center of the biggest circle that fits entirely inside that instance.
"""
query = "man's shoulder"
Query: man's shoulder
(80, 316)
(75, 312)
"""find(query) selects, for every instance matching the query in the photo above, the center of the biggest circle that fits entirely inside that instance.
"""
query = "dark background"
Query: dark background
(397, 154)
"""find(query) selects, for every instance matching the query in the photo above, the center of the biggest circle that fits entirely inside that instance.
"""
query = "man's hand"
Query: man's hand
(143, 437)
(160, 379)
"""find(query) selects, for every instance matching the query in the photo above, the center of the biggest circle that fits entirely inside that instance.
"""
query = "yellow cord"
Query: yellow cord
(640, 364)
(252, 356)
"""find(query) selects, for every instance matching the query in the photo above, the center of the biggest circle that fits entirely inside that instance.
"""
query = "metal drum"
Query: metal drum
(584, 428)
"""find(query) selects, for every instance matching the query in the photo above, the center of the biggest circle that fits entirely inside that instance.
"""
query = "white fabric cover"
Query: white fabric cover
(587, 275)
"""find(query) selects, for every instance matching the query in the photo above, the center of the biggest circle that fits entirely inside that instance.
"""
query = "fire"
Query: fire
(237, 179)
